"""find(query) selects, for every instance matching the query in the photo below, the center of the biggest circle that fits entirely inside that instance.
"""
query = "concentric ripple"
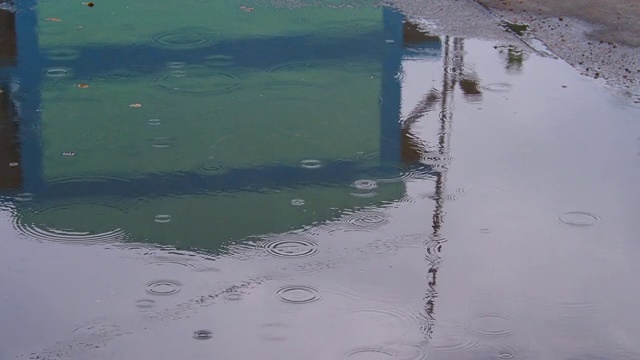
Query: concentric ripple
(62, 54)
(198, 80)
(290, 247)
(202, 334)
(162, 218)
(370, 353)
(57, 72)
(365, 220)
(218, 60)
(23, 197)
(390, 315)
(162, 142)
(497, 87)
(311, 164)
(145, 304)
(183, 39)
(176, 64)
(394, 174)
(297, 202)
(298, 294)
(364, 188)
(298, 66)
(579, 218)
(395, 351)
(163, 287)
(174, 262)
(491, 325)
(450, 341)
(79, 181)
(59, 223)
(233, 296)
(365, 184)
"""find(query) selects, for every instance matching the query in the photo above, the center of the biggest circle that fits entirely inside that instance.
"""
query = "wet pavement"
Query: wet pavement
(309, 180)
(598, 38)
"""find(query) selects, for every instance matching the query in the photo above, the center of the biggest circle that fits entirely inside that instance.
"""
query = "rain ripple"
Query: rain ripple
(450, 342)
(198, 80)
(579, 218)
(390, 315)
(44, 223)
(163, 287)
(491, 325)
(364, 188)
(395, 351)
(365, 220)
(183, 39)
(298, 294)
(202, 335)
(289, 247)
(145, 304)
(497, 87)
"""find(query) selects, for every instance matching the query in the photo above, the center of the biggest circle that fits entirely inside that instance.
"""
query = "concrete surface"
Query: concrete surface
(600, 38)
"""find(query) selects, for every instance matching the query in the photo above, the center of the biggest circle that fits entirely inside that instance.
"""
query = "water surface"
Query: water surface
(307, 180)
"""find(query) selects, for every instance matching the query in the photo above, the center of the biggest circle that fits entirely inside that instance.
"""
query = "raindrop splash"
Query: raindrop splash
(579, 218)
(297, 202)
(57, 72)
(497, 87)
(365, 220)
(311, 164)
(163, 287)
(162, 219)
(298, 294)
(202, 335)
(290, 247)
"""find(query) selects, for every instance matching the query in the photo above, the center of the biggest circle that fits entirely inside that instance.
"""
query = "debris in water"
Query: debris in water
(246, 9)
(53, 19)
(135, 105)
(82, 85)
(68, 153)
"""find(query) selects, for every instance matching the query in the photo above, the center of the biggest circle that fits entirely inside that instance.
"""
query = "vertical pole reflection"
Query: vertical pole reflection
(452, 69)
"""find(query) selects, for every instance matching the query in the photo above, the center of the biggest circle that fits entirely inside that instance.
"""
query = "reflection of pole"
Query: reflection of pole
(452, 66)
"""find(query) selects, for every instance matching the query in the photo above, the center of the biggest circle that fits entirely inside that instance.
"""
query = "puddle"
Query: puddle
(308, 172)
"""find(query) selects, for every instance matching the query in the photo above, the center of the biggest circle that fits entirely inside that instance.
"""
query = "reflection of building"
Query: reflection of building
(10, 168)
(239, 104)
(8, 41)
(10, 162)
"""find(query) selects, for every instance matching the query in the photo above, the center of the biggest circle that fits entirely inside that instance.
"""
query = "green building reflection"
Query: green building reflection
(200, 136)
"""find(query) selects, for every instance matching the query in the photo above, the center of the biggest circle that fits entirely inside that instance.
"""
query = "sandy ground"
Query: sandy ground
(600, 38)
